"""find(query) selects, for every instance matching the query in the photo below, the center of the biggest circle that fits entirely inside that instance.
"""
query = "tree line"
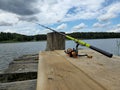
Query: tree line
(14, 37)
(95, 35)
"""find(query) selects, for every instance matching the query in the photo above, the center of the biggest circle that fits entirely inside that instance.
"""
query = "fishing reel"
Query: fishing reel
(74, 52)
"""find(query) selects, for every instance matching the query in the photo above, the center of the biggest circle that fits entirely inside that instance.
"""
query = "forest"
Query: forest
(14, 37)
(95, 35)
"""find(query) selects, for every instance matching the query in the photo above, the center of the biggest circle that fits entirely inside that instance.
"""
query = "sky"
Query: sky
(22, 16)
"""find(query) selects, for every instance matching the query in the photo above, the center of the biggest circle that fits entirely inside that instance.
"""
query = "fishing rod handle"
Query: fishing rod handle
(101, 51)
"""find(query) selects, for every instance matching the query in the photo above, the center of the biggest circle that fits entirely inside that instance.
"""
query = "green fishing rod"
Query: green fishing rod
(81, 42)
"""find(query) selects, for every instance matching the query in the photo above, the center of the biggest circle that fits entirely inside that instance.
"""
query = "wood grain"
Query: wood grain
(57, 73)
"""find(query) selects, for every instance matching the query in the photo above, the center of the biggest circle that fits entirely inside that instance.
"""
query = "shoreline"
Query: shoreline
(19, 41)
(2, 42)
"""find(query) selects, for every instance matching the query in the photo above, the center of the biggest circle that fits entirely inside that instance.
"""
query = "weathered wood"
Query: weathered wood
(55, 41)
(57, 73)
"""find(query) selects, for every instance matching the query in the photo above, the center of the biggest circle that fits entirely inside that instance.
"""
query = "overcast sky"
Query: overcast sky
(20, 16)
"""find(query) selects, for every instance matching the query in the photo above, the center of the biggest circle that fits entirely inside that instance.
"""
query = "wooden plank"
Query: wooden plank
(102, 69)
(56, 73)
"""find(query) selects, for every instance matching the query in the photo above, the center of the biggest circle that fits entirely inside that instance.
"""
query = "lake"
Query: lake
(9, 51)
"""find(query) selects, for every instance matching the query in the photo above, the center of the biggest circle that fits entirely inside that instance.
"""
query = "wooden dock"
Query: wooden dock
(57, 71)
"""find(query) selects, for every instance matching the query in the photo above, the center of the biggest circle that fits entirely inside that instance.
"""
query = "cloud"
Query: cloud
(84, 10)
(110, 12)
(8, 19)
(21, 27)
(5, 24)
(28, 18)
(60, 11)
(62, 26)
(115, 28)
(101, 25)
(20, 7)
(49, 12)
(80, 26)
(9, 30)
(118, 25)
(52, 11)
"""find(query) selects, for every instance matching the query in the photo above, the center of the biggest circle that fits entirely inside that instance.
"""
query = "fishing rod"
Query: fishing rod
(81, 42)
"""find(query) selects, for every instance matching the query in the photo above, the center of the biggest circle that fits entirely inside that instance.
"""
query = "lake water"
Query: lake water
(9, 51)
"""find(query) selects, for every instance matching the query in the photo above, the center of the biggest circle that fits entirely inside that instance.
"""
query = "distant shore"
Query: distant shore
(14, 37)
(18, 41)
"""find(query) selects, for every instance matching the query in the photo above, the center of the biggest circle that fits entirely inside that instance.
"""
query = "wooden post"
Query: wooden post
(55, 41)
